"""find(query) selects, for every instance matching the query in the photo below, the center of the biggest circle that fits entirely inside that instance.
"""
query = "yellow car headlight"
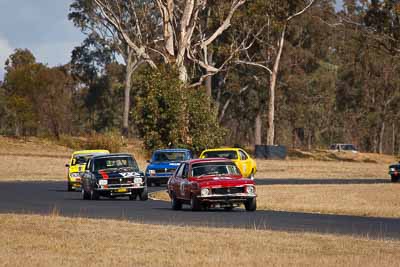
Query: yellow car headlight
(75, 175)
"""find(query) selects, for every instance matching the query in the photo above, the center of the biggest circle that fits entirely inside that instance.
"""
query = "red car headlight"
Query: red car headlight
(205, 192)
(251, 190)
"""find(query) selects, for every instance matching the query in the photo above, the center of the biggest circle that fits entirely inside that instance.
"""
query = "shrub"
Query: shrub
(167, 114)
(111, 141)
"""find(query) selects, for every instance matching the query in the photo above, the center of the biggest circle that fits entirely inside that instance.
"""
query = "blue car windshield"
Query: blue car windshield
(169, 156)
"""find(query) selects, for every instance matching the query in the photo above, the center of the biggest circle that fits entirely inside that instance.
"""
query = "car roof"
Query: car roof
(172, 150)
(192, 161)
(222, 149)
(91, 151)
(112, 155)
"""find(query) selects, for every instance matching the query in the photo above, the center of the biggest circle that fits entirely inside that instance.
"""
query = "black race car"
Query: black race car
(113, 175)
(394, 172)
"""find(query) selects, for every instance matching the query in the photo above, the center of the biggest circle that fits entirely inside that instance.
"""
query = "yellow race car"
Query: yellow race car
(77, 165)
(243, 161)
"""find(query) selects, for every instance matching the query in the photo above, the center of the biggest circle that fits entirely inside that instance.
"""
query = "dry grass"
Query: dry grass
(32, 159)
(313, 169)
(32, 146)
(329, 155)
(378, 200)
(40, 159)
(57, 241)
(25, 168)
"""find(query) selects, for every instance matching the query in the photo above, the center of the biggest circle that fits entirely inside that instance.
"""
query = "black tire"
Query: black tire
(205, 207)
(175, 203)
(85, 195)
(144, 195)
(133, 196)
(395, 179)
(195, 204)
(94, 195)
(69, 187)
(251, 204)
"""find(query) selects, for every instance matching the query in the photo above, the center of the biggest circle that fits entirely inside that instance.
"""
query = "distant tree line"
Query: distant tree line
(204, 73)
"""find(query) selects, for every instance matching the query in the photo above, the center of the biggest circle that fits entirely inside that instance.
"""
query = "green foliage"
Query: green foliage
(169, 115)
(104, 99)
(204, 128)
(38, 98)
(160, 107)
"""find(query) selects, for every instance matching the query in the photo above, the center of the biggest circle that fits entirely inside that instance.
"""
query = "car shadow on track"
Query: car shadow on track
(299, 181)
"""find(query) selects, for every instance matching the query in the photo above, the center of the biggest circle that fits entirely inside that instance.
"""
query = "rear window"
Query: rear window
(83, 158)
(214, 168)
(221, 154)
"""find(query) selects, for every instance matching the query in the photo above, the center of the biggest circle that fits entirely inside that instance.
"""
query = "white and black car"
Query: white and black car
(113, 175)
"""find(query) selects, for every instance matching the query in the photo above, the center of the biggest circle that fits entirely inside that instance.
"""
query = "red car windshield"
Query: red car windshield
(214, 168)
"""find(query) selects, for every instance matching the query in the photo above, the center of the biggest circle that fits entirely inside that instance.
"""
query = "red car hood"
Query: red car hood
(218, 181)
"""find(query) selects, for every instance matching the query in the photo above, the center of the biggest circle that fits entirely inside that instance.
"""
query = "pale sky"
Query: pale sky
(41, 26)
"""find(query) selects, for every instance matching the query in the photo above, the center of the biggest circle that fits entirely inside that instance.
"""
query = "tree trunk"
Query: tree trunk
(309, 140)
(224, 108)
(130, 67)
(209, 78)
(393, 138)
(381, 134)
(258, 129)
(271, 102)
(183, 75)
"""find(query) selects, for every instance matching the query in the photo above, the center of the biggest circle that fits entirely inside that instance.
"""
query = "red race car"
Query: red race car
(211, 183)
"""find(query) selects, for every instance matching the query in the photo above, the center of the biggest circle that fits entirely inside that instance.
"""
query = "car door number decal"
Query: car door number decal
(182, 189)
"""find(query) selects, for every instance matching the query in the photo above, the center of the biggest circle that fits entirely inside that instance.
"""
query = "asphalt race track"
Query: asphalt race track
(52, 197)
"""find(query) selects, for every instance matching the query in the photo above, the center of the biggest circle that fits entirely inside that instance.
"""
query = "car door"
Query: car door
(245, 163)
(86, 175)
(177, 180)
(185, 184)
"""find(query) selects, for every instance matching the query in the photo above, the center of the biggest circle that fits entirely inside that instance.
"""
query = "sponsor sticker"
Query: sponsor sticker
(127, 174)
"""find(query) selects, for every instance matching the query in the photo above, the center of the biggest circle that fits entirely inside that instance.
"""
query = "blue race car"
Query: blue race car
(163, 164)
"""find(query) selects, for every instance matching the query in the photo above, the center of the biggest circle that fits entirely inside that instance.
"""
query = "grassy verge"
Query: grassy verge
(315, 169)
(58, 241)
(377, 200)
(374, 200)
(41, 159)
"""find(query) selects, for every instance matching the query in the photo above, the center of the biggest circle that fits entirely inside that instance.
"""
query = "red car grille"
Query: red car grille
(227, 190)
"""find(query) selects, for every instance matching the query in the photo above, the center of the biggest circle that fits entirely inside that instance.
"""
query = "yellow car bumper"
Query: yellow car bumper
(74, 183)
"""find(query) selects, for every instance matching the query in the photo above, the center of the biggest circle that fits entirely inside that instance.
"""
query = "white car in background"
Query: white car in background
(343, 147)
